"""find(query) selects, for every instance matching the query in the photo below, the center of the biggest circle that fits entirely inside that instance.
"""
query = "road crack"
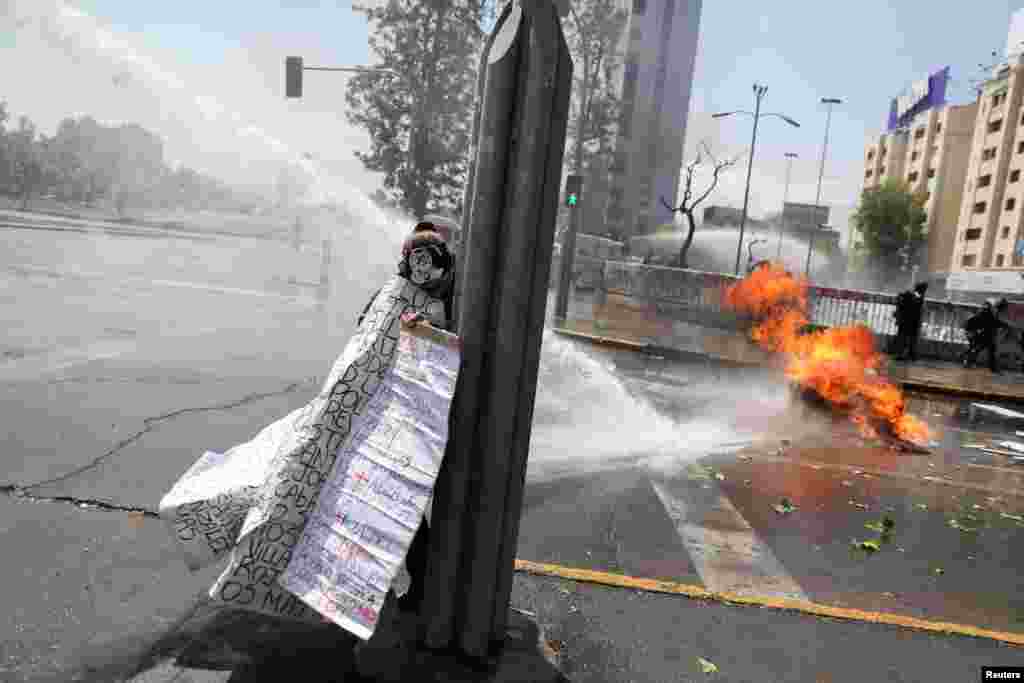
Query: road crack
(19, 493)
(150, 423)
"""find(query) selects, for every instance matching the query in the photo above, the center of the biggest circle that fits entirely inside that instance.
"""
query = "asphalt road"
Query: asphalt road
(125, 357)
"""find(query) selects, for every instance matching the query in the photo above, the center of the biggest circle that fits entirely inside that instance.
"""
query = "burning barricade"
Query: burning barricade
(836, 367)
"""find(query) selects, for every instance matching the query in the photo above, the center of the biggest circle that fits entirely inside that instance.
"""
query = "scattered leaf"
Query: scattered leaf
(870, 546)
(939, 570)
(960, 527)
(862, 506)
(719, 476)
(847, 483)
(1007, 515)
(785, 507)
(888, 522)
(921, 506)
(706, 666)
(874, 526)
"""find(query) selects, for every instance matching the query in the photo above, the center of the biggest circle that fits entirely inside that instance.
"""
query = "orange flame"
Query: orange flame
(839, 363)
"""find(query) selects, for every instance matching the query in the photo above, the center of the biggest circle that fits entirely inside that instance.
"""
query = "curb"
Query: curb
(679, 354)
(785, 604)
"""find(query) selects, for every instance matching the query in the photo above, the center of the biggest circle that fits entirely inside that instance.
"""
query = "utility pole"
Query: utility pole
(821, 174)
(503, 291)
(573, 186)
(759, 91)
(785, 200)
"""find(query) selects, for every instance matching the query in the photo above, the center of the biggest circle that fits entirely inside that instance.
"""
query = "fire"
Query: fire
(840, 364)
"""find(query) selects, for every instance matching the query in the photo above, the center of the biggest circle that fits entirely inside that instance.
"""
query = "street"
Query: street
(125, 357)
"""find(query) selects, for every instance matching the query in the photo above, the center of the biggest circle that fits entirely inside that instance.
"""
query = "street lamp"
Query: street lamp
(821, 173)
(785, 199)
(759, 91)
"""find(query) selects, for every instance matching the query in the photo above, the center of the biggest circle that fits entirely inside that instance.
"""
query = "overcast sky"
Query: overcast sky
(208, 77)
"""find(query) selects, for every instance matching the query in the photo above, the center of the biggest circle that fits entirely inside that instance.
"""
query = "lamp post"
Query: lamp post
(759, 91)
(821, 173)
(785, 199)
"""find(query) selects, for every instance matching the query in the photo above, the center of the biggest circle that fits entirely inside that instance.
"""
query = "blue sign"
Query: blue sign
(921, 96)
(1019, 249)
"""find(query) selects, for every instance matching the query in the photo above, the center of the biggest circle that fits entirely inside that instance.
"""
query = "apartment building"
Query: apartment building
(991, 225)
(929, 153)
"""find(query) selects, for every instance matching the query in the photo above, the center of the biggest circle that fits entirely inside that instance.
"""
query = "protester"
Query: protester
(428, 263)
(909, 308)
(983, 333)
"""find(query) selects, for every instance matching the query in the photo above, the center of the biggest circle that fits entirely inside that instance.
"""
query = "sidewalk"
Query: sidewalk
(730, 348)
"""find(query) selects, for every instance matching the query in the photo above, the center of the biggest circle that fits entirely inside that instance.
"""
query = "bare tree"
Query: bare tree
(691, 200)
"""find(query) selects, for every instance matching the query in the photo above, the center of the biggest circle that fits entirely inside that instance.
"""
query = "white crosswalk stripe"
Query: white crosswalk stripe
(725, 549)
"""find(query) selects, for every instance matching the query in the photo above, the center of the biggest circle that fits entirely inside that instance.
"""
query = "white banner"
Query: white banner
(371, 441)
(355, 542)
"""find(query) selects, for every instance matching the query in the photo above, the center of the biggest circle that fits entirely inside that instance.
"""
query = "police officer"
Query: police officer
(986, 326)
(909, 307)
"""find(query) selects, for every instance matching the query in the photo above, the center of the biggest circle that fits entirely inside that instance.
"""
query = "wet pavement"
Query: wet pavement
(640, 466)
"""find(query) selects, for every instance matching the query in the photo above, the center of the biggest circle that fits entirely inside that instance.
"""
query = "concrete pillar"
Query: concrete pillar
(503, 294)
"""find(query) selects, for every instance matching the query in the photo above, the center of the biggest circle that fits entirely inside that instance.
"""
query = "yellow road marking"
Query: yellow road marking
(803, 606)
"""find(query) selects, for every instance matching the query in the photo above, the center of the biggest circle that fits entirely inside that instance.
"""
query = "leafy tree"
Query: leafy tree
(27, 162)
(593, 32)
(692, 197)
(418, 112)
(890, 219)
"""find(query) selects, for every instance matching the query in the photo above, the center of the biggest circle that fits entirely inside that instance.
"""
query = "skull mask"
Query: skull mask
(422, 270)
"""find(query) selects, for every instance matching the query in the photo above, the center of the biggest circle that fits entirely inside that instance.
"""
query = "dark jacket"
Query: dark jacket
(985, 324)
(909, 307)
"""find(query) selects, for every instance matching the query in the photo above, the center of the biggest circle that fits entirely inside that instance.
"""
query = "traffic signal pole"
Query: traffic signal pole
(573, 187)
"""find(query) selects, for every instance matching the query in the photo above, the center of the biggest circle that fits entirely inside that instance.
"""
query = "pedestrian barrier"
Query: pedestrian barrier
(697, 297)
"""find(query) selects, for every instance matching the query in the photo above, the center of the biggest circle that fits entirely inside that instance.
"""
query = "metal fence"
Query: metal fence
(693, 295)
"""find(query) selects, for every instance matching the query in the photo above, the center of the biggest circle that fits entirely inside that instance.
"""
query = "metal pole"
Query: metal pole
(759, 91)
(785, 199)
(821, 174)
(568, 257)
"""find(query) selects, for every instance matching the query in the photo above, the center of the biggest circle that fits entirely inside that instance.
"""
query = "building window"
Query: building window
(867, 174)
(919, 133)
(999, 261)
(1010, 204)
(912, 177)
(995, 126)
(968, 260)
(938, 127)
(1020, 147)
(1014, 175)
(882, 152)
(980, 207)
(972, 234)
(927, 196)
(988, 154)
(1006, 231)
(998, 99)
(639, 6)
(931, 172)
(985, 180)
(871, 154)
(914, 156)
(881, 171)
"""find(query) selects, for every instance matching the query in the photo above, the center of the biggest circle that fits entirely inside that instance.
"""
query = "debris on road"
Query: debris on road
(785, 507)
(954, 523)
(706, 666)
(869, 546)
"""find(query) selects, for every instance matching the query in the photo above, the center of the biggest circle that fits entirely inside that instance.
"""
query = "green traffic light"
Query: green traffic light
(572, 200)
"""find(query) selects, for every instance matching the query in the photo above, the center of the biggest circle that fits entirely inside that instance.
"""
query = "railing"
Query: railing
(697, 296)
